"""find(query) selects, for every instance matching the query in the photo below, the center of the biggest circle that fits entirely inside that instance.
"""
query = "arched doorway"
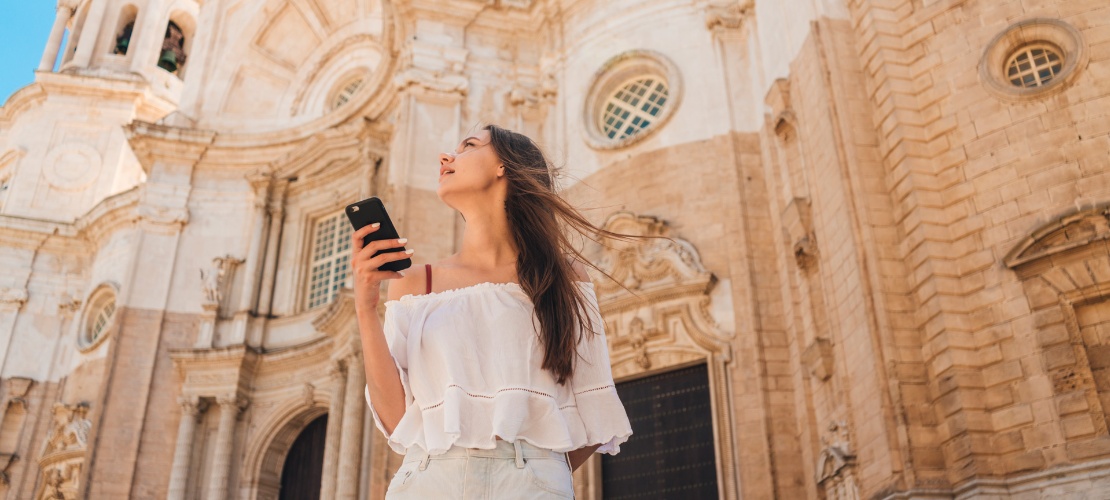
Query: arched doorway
(304, 465)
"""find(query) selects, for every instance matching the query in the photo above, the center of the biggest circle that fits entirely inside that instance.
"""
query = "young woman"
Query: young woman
(490, 371)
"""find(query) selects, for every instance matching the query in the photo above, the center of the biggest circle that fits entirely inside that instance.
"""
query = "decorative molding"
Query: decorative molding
(1077, 229)
(434, 81)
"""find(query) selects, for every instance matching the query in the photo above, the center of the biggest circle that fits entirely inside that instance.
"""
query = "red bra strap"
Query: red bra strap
(428, 268)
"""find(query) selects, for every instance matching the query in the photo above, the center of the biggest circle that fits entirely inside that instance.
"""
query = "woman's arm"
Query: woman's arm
(383, 382)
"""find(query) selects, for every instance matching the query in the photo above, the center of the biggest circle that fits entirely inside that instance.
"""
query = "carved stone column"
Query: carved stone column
(191, 408)
(351, 447)
(230, 406)
(333, 440)
(54, 43)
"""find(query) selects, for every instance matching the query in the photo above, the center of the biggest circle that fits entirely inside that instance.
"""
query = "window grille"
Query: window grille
(633, 107)
(101, 320)
(1033, 66)
(330, 264)
(346, 93)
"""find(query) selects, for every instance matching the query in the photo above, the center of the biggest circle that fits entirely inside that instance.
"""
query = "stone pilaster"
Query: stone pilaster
(334, 437)
(230, 406)
(191, 409)
(351, 448)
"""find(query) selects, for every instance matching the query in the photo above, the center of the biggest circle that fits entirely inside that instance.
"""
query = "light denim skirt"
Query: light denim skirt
(515, 470)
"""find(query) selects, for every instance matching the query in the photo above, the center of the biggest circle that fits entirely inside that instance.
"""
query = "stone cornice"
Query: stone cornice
(151, 141)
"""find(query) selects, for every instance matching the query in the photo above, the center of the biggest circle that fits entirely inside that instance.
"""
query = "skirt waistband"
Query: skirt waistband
(503, 449)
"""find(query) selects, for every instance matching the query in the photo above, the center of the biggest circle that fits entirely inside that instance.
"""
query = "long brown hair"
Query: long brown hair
(535, 210)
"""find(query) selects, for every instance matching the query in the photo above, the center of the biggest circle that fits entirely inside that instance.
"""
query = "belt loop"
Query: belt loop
(424, 461)
(519, 455)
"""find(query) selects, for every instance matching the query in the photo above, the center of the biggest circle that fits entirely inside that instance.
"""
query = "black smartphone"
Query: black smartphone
(369, 211)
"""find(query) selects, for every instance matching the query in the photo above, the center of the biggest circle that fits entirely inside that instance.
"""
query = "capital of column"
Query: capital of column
(192, 405)
(235, 402)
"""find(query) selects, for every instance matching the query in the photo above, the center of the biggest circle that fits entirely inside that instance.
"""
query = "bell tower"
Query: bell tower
(123, 38)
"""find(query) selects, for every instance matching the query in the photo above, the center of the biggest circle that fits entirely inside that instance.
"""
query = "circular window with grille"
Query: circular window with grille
(632, 95)
(1032, 59)
(100, 315)
(1034, 65)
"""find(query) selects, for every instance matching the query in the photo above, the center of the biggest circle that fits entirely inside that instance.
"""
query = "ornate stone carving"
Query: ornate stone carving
(216, 280)
(236, 402)
(435, 81)
(667, 319)
(64, 452)
(192, 406)
(1075, 230)
(70, 428)
(836, 465)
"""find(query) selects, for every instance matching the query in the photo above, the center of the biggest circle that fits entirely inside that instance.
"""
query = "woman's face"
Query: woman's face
(473, 168)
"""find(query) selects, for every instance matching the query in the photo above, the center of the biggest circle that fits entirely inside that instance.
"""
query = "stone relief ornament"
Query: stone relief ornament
(432, 80)
(64, 451)
(657, 314)
(216, 280)
(1080, 228)
(836, 464)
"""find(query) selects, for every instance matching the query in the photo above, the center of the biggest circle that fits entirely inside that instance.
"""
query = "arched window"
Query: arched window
(99, 317)
(124, 29)
(173, 56)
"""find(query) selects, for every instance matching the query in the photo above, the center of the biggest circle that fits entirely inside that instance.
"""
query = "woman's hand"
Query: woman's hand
(365, 266)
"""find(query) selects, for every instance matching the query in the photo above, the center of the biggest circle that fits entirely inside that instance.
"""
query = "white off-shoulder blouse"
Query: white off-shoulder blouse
(470, 360)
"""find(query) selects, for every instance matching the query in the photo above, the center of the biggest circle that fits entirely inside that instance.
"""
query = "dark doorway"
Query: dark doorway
(304, 465)
(670, 453)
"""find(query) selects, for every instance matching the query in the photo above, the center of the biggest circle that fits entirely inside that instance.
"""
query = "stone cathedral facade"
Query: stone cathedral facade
(888, 272)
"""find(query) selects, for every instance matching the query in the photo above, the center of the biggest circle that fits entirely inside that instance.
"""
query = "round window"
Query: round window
(1032, 59)
(633, 107)
(632, 96)
(346, 92)
(1034, 65)
(99, 318)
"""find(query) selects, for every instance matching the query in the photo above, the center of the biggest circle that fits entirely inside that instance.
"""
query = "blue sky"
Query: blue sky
(24, 28)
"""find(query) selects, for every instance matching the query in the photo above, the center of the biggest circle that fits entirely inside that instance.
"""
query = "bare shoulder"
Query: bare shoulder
(579, 268)
(412, 283)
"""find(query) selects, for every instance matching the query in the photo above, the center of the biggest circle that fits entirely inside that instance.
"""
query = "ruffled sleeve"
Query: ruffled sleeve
(396, 337)
(595, 395)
